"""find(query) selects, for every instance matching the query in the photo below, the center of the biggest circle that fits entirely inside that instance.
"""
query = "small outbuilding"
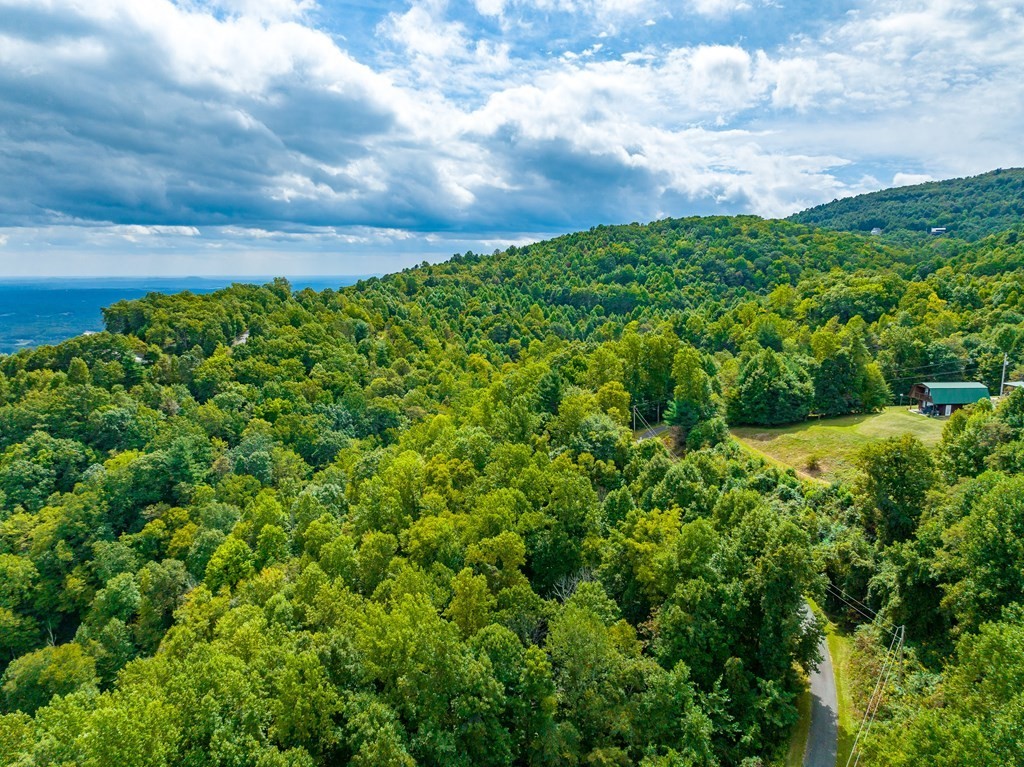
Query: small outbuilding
(1009, 387)
(944, 397)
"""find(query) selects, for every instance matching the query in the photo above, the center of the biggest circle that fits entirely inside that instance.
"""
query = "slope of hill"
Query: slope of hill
(968, 208)
(828, 449)
(406, 523)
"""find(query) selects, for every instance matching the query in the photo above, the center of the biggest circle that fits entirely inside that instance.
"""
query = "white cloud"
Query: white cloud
(166, 122)
(422, 33)
(272, 10)
(718, 7)
(133, 231)
(909, 179)
(490, 7)
(796, 83)
(596, 11)
(720, 76)
(330, 234)
(612, 8)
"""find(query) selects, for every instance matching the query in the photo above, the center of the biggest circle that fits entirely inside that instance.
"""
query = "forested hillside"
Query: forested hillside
(407, 523)
(968, 208)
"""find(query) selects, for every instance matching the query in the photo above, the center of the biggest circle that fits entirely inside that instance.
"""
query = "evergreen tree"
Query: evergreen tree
(772, 389)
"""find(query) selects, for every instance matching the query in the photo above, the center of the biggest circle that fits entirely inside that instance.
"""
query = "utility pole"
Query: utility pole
(903, 639)
(1002, 383)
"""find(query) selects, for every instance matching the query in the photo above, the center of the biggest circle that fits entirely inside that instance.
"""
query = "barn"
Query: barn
(944, 397)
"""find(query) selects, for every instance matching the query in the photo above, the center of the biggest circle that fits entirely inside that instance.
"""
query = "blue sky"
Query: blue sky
(294, 137)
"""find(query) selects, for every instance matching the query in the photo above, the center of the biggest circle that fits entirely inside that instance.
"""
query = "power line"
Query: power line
(954, 360)
(958, 364)
(878, 703)
(874, 693)
(841, 595)
(853, 606)
(636, 414)
(920, 374)
(853, 599)
(637, 405)
(968, 361)
(875, 702)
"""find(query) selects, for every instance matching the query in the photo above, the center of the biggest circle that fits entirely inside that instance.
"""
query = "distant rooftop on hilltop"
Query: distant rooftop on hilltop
(965, 208)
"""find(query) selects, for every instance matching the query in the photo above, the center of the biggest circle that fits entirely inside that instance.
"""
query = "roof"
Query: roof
(1016, 384)
(955, 392)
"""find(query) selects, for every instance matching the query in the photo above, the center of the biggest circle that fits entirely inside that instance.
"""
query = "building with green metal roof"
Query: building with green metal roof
(944, 397)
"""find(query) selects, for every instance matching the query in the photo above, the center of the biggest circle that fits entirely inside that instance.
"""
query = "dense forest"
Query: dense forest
(967, 208)
(408, 523)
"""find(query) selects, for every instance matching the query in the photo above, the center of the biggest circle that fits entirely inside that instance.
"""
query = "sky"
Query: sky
(294, 137)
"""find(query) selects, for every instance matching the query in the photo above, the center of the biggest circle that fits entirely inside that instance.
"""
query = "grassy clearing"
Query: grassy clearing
(840, 647)
(770, 459)
(835, 442)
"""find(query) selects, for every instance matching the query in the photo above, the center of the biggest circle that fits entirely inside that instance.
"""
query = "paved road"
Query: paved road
(822, 745)
(823, 738)
(652, 432)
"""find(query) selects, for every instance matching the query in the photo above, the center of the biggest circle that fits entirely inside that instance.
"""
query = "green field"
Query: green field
(835, 442)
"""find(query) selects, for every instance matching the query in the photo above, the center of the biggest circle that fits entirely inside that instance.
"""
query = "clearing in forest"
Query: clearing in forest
(833, 443)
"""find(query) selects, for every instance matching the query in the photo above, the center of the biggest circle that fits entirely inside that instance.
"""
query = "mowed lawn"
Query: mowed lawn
(835, 442)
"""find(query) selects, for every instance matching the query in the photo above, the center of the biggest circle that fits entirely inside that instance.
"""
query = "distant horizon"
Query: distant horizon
(48, 309)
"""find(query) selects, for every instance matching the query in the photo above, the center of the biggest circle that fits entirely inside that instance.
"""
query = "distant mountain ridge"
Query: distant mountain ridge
(967, 208)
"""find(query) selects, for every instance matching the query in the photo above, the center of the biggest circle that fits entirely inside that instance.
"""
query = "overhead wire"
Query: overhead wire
(852, 599)
(956, 364)
(647, 426)
(876, 697)
(872, 618)
(853, 607)
(878, 703)
(874, 692)
(898, 634)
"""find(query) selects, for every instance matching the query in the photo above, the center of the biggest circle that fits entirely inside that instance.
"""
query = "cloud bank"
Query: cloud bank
(345, 138)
